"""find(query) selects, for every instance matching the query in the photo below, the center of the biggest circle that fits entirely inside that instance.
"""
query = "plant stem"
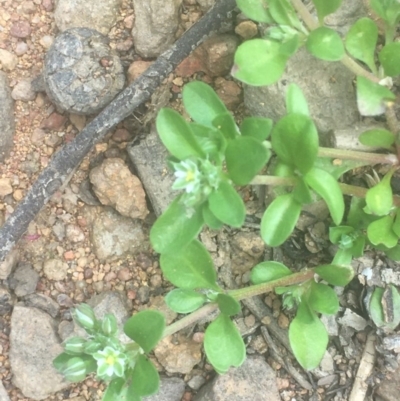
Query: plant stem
(368, 158)
(242, 293)
(312, 24)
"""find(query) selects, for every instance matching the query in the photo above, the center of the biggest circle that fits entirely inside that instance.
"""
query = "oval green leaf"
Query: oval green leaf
(295, 101)
(379, 199)
(389, 57)
(223, 344)
(184, 301)
(190, 268)
(114, 389)
(227, 205)
(176, 135)
(380, 232)
(202, 103)
(245, 157)
(226, 124)
(268, 271)
(323, 299)
(145, 378)
(173, 230)
(145, 328)
(308, 337)
(325, 44)
(283, 13)
(210, 219)
(371, 97)
(267, 62)
(378, 137)
(335, 274)
(325, 8)
(295, 141)
(279, 220)
(328, 189)
(228, 305)
(256, 127)
(361, 41)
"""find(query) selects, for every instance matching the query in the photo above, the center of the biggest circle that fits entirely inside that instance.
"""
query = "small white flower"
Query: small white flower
(187, 175)
(110, 362)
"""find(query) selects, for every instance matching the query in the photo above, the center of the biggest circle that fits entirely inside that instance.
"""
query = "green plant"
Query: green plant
(211, 154)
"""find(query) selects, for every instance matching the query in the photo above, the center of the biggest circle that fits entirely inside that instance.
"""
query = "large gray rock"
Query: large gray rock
(112, 235)
(81, 73)
(156, 22)
(149, 159)
(327, 86)
(171, 389)
(33, 346)
(96, 14)
(255, 380)
(7, 126)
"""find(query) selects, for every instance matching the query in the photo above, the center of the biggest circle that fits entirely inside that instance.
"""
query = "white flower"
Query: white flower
(110, 362)
(187, 175)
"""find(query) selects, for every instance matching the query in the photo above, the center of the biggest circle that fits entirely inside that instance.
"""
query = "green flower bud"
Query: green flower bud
(85, 317)
(109, 325)
(75, 370)
(75, 345)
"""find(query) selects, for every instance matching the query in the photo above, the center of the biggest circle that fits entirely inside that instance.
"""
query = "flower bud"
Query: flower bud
(75, 370)
(85, 317)
(92, 346)
(109, 325)
(75, 345)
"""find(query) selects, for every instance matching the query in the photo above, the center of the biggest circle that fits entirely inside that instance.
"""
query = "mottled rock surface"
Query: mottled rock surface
(156, 22)
(33, 346)
(24, 280)
(171, 389)
(100, 15)
(116, 186)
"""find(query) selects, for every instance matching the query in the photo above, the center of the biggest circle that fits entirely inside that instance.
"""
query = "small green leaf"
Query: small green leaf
(184, 301)
(377, 137)
(389, 57)
(174, 229)
(210, 219)
(323, 299)
(256, 127)
(295, 101)
(75, 345)
(343, 257)
(176, 135)
(226, 124)
(202, 103)
(336, 233)
(227, 206)
(325, 8)
(283, 13)
(393, 253)
(388, 318)
(267, 62)
(328, 188)
(379, 199)
(256, 10)
(380, 232)
(113, 390)
(279, 220)
(361, 41)
(268, 271)
(386, 9)
(308, 337)
(223, 344)
(145, 328)
(245, 157)
(61, 361)
(145, 378)
(371, 97)
(295, 141)
(336, 170)
(228, 305)
(190, 268)
(335, 275)
(325, 44)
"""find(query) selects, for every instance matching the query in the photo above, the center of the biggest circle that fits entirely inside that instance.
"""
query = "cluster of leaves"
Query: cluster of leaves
(287, 33)
(131, 375)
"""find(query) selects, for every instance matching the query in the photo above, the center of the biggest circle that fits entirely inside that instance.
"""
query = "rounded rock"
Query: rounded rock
(81, 72)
